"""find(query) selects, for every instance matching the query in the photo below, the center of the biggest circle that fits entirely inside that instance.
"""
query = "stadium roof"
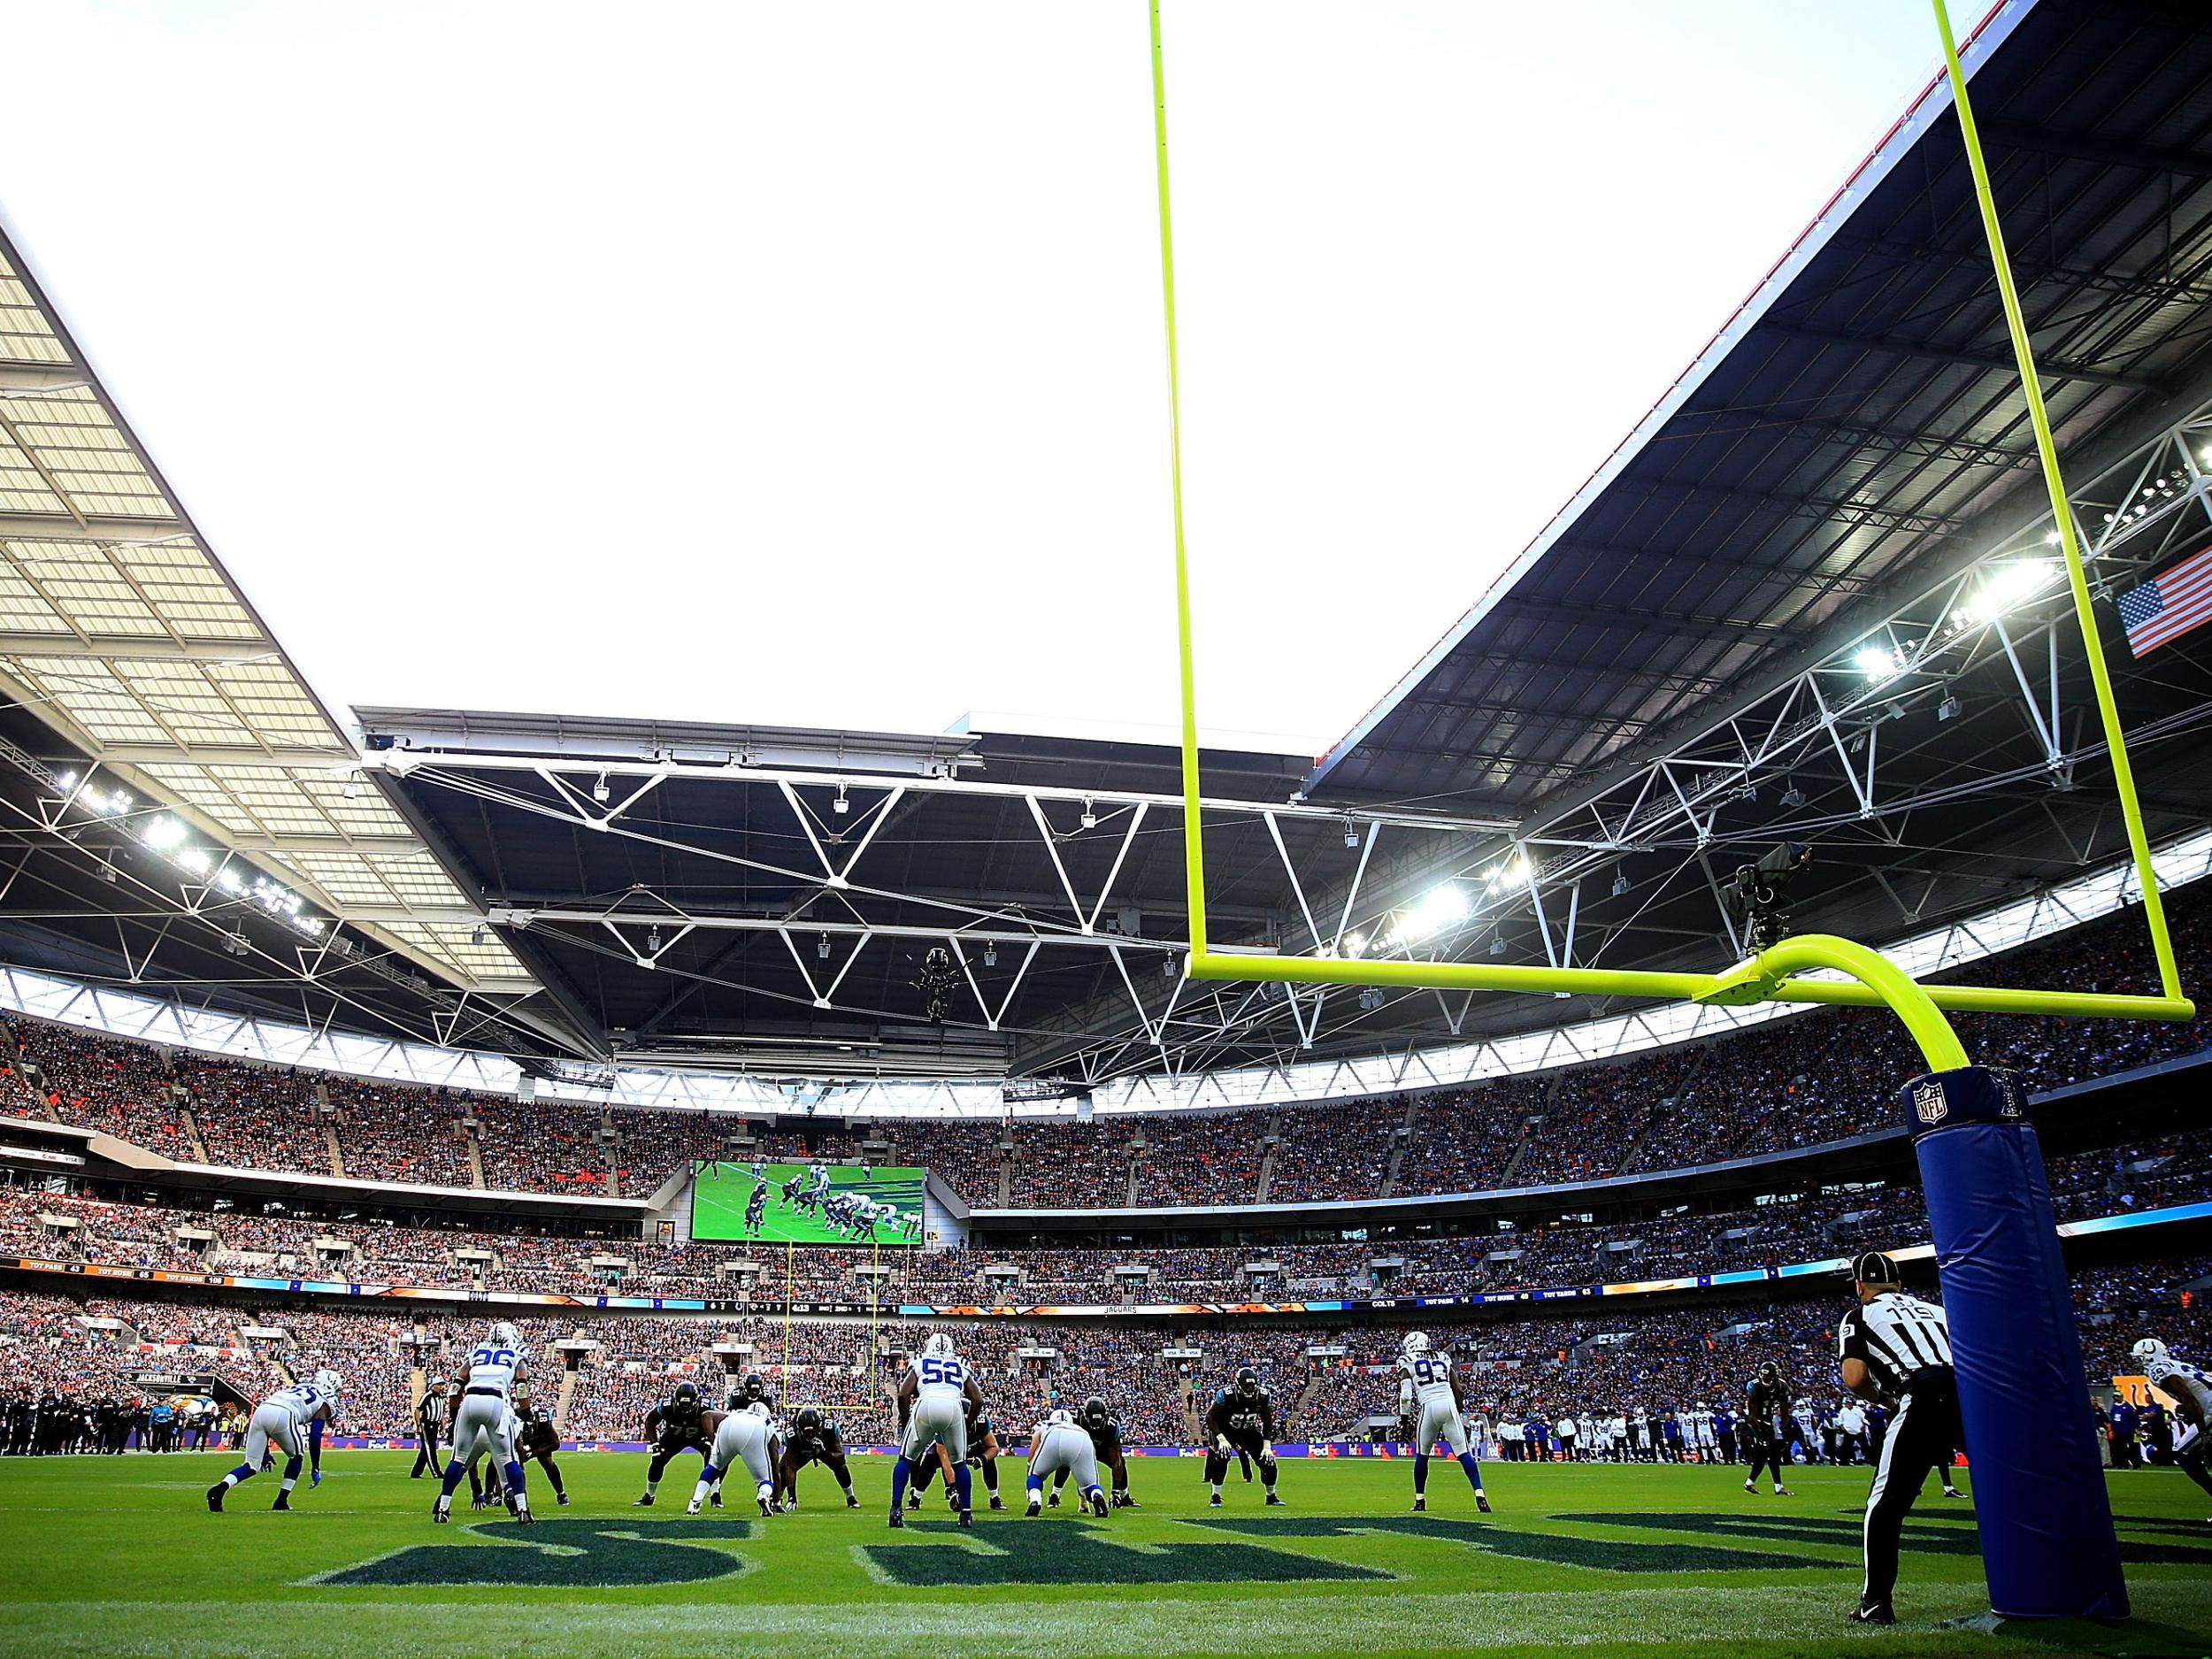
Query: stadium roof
(1809, 597)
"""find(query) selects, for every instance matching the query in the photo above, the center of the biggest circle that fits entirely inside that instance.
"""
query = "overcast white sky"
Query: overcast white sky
(803, 363)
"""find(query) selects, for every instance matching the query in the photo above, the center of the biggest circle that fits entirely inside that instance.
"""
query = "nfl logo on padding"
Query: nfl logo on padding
(1928, 1102)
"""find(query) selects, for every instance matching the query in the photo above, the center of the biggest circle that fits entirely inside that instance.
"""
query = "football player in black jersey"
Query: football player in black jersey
(536, 1437)
(814, 1439)
(1105, 1433)
(1240, 1423)
(982, 1453)
(1765, 1441)
(676, 1425)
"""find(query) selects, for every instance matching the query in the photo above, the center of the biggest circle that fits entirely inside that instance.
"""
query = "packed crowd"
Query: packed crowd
(1801, 1081)
(41, 1221)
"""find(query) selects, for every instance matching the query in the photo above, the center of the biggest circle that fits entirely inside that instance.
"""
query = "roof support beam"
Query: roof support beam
(60, 526)
(2053, 368)
(1672, 624)
(138, 647)
(2189, 164)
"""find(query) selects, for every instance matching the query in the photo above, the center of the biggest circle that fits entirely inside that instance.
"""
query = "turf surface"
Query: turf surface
(120, 1556)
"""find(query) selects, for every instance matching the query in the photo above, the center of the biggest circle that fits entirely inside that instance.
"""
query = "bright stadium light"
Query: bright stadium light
(1878, 661)
(195, 861)
(164, 832)
(1355, 943)
(2006, 586)
(66, 781)
(1436, 910)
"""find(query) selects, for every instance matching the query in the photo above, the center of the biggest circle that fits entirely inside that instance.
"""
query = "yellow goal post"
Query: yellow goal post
(1773, 975)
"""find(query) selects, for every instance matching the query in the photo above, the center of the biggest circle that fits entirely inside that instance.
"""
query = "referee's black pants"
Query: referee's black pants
(425, 1454)
(1920, 1438)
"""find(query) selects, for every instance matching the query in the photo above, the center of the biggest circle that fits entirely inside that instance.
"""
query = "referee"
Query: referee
(430, 1420)
(1897, 1346)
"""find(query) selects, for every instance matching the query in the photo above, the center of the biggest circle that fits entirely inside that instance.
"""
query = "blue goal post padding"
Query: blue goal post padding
(2048, 1548)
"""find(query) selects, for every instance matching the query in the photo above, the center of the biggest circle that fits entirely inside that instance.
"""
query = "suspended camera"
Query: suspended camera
(1758, 900)
(936, 981)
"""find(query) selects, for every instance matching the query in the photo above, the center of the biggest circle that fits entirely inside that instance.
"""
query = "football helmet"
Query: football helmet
(939, 1345)
(2148, 1349)
(1249, 1383)
(504, 1335)
(809, 1421)
(1415, 1343)
(686, 1394)
(1094, 1410)
(327, 1380)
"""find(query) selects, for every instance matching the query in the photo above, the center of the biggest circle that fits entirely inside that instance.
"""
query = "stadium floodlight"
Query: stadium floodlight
(476, 935)
(1876, 662)
(68, 780)
(195, 860)
(1620, 884)
(821, 948)
(2006, 586)
(163, 833)
(1947, 707)
(841, 805)
(1355, 943)
(990, 953)
(1437, 910)
(230, 881)
(1351, 834)
(653, 940)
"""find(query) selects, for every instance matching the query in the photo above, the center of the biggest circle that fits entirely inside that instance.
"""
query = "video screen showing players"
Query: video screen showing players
(807, 1203)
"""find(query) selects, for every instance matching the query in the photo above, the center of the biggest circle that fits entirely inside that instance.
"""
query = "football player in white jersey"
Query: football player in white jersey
(1063, 1446)
(932, 1403)
(746, 1436)
(1428, 1398)
(484, 1421)
(292, 1419)
(2190, 1388)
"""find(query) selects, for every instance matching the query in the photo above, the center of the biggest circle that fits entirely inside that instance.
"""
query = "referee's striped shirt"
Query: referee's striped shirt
(1895, 1336)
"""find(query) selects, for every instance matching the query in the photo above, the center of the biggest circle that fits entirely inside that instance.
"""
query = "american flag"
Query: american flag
(2169, 605)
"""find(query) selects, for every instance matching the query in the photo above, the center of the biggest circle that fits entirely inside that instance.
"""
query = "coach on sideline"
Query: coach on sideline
(1897, 1346)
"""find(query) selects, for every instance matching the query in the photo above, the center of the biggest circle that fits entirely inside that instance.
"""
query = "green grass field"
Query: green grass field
(120, 1556)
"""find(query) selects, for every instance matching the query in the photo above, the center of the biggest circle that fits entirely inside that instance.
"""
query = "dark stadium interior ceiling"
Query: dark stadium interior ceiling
(1809, 599)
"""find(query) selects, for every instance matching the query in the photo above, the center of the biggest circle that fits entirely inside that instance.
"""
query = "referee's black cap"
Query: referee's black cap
(1872, 1267)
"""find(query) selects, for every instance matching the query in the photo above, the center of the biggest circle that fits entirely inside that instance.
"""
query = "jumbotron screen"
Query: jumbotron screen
(807, 1203)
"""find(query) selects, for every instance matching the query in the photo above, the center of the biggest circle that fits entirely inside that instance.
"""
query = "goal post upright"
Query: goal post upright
(1765, 977)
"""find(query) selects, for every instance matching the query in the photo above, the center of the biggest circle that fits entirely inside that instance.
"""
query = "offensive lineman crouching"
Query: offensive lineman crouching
(933, 1403)
(983, 1450)
(1061, 1445)
(291, 1420)
(485, 1420)
(1105, 1434)
(746, 1436)
(1240, 1424)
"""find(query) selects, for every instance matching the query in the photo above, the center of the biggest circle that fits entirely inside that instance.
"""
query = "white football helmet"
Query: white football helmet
(939, 1345)
(2148, 1349)
(1061, 1417)
(504, 1335)
(1415, 1343)
(327, 1380)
